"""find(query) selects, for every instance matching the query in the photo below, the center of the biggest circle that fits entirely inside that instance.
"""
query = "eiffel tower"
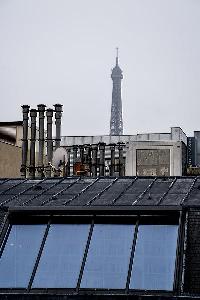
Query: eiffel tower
(116, 122)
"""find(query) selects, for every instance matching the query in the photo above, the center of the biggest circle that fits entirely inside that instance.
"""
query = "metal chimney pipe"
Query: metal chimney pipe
(75, 151)
(94, 160)
(58, 115)
(25, 109)
(33, 115)
(112, 155)
(68, 162)
(102, 159)
(81, 148)
(49, 114)
(121, 160)
(41, 110)
(87, 154)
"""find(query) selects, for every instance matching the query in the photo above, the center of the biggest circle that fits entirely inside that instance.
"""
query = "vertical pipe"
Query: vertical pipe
(102, 159)
(94, 160)
(112, 160)
(41, 110)
(58, 115)
(33, 115)
(75, 151)
(25, 109)
(49, 114)
(81, 153)
(68, 162)
(88, 156)
(121, 160)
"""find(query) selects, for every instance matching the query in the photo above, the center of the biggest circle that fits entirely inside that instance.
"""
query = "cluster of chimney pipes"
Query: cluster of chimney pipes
(88, 160)
(96, 160)
(33, 113)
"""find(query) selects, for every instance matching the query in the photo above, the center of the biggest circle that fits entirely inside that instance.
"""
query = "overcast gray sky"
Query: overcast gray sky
(63, 51)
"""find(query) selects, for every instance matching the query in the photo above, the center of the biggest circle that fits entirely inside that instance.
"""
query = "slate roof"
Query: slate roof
(101, 191)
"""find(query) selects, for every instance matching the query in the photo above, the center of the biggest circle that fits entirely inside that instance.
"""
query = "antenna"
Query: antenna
(117, 54)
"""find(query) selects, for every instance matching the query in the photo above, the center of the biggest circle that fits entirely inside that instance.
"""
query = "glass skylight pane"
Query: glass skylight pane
(19, 255)
(62, 256)
(154, 259)
(108, 257)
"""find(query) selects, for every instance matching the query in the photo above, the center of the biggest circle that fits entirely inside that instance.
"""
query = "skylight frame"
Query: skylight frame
(160, 217)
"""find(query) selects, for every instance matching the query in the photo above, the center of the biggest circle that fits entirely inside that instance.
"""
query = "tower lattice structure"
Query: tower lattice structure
(116, 121)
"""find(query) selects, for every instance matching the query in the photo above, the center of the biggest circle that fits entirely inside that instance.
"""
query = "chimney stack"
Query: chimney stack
(94, 160)
(58, 115)
(49, 114)
(41, 110)
(25, 109)
(102, 159)
(33, 115)
(112, 160)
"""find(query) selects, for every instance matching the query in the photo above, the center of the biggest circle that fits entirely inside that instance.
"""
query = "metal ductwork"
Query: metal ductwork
(25, 109)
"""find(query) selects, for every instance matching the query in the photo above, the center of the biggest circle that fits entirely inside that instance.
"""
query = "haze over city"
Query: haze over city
(61, 51)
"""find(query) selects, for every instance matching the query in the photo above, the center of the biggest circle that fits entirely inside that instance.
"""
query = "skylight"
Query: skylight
(89, 256)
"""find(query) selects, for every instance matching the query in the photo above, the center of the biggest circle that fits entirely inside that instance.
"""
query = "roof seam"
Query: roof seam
(10, 188)
(126, 189)
(60, 192)
(100, 193)
(165, 194)
(21, 193)
(189, 191)
(36, 196)
(81, 192)
(144, 192)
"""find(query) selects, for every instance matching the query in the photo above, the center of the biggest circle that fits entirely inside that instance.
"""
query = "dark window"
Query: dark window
(154, 259)
(62, 255)
(108, 257)
(19, 255)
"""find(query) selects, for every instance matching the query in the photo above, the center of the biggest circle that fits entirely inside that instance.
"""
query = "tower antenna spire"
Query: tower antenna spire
(117, 55)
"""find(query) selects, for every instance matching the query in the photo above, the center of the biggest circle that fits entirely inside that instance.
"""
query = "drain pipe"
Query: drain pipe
(33, 115)
(41, 110)
(58, 115)
(25, 110)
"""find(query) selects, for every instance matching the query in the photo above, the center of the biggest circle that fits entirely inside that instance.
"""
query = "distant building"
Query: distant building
(166, 153)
